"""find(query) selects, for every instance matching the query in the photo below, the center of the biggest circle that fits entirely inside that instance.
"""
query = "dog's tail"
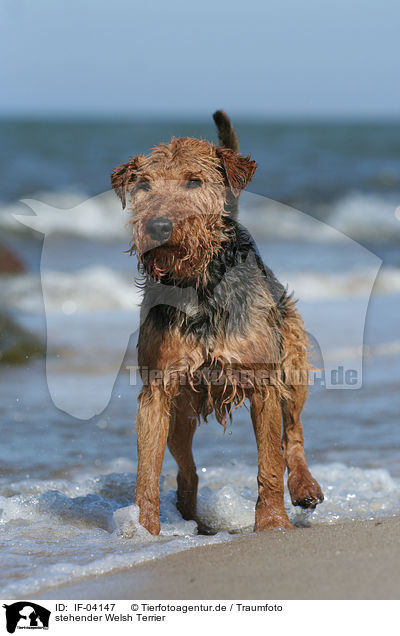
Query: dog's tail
(226, 134)
(227, 139)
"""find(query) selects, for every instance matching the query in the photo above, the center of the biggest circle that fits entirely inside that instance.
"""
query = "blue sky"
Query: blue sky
(286, 58)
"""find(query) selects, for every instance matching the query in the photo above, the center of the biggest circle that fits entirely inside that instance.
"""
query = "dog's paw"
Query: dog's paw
(270, 519)
(149, 519)
(304, 489)
(273, 524)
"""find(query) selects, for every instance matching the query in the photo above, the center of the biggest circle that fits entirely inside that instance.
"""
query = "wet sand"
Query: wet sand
(352, 560)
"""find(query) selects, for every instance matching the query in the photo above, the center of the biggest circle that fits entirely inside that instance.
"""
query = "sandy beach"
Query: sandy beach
(351, 560)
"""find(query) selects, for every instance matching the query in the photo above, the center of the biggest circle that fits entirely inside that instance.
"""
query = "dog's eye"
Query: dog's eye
(193, 183)
(143, 185)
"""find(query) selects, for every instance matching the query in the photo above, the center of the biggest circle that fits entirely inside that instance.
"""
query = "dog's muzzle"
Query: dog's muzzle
(159, 228)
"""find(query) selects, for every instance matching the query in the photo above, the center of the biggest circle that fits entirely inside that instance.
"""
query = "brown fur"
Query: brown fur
(190, 182)
(226, 135)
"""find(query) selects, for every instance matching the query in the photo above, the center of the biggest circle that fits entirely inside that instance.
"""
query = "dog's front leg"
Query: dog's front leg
(304, 489)
(152, 427)
(266, 416)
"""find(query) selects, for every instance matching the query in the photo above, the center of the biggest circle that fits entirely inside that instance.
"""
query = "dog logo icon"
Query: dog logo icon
(26, 615)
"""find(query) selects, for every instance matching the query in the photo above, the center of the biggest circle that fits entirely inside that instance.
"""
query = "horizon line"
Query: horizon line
(249, 117)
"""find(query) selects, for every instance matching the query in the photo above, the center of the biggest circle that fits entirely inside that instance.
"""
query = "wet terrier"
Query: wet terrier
(216, 326)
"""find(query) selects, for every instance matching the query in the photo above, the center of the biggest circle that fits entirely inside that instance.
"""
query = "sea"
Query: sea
(324, 210)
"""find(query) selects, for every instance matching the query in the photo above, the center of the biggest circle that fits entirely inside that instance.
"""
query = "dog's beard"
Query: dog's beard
(175, 263)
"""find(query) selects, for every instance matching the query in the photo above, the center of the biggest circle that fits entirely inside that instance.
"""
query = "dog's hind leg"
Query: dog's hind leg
(303, 488)
(152, 425)
(266, 416)
(182, 428)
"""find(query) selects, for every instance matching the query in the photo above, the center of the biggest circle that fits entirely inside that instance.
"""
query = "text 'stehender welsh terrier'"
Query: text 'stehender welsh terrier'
(235, 333)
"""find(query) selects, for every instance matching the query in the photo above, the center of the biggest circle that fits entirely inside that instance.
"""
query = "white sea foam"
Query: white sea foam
(101, 289)
(90, 526)
(95, 288)
(349, 284)
(67, 214)
(359, 215)
(366, 217)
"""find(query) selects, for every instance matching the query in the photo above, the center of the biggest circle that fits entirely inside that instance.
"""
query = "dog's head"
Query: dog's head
(181, 196)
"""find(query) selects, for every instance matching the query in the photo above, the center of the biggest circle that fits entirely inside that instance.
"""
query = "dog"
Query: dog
(216, 326)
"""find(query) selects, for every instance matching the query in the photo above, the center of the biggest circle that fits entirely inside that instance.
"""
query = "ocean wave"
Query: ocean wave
(90, 526)
(100, 289)
(350, 284)
(67, 214)
(366, 217)
(360, 216)
(92, 289)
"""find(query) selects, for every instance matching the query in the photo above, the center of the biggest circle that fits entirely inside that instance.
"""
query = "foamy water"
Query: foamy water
(99, 288)
(70, 529)
(360, 216)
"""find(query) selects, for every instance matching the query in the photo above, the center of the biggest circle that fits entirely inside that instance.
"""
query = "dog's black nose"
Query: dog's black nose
(159, 228)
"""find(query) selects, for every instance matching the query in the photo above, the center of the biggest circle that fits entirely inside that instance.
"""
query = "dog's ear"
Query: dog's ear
(238, 170)
(122, 176)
